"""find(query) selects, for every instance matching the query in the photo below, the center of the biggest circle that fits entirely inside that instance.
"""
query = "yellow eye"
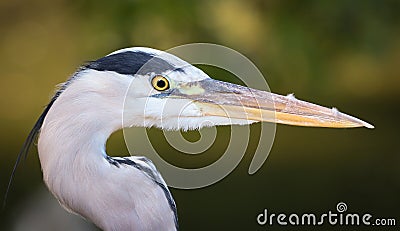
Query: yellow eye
(160, 83)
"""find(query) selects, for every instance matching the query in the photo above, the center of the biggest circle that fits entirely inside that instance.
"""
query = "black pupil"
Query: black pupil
(161, 83)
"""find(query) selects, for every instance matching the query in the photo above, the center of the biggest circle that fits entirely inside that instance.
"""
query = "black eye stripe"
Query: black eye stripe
(133, 62)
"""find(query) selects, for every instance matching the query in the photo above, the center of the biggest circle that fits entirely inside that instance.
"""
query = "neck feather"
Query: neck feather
(74, 132)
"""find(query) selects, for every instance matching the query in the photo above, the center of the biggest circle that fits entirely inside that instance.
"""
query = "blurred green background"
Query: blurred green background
(334, 53)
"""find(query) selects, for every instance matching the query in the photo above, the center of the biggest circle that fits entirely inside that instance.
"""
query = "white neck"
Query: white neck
(77, 126)
(72, 150)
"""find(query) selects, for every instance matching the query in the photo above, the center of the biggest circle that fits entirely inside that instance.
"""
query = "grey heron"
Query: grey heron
(128, 193)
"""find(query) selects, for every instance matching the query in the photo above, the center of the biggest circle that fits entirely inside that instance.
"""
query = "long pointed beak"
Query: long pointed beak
(222, 99)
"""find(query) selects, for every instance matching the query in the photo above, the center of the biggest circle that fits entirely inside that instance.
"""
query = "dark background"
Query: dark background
(334, 53)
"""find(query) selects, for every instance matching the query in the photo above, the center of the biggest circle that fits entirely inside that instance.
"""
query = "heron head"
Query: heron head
(169, 93)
